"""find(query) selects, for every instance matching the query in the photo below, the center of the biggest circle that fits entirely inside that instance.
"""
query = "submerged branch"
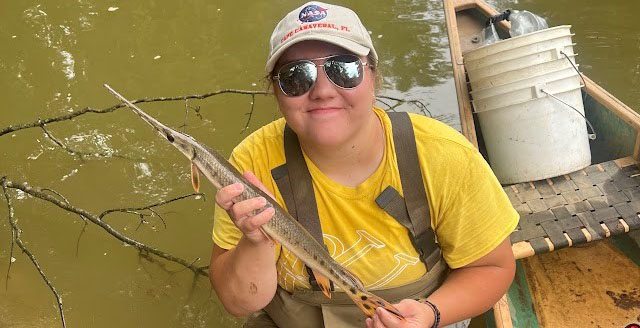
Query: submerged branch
(16, 237)
(250, 114)
(37, 192)
(74, 152)
(69, 116)
(399, 101)
(148, 207)
(134, 210)
(42, 122)
(11, 259)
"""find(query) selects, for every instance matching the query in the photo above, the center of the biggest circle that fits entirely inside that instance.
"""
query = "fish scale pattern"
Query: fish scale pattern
(568, 207)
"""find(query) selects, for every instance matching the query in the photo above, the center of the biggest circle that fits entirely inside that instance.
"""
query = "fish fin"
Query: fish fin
(195, 177)
(324, 283)
(368, 303)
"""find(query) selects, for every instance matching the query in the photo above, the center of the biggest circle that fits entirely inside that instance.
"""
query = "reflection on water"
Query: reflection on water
(55, 58)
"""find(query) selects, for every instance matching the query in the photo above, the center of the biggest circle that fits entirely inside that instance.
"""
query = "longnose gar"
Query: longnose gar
(282, 228)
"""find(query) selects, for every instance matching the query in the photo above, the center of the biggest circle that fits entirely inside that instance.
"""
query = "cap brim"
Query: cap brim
(352, 46)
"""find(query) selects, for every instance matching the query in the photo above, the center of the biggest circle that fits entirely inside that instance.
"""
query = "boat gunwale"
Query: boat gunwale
(501, 310)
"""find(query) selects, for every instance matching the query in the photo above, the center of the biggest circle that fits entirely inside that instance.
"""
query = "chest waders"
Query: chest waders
(310, 308)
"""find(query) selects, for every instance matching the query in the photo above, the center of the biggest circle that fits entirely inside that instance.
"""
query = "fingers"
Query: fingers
(376, 322)
(250, 214)
(225, 196)
(249, 224)
(246, 208)
(387, 319)
(369, 323)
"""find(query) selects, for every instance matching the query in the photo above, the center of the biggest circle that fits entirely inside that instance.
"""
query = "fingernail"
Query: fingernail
(238, 187)
(262, 201)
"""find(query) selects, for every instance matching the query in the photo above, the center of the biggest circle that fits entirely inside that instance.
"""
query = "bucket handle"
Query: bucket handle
(574, 66)
(539, 89)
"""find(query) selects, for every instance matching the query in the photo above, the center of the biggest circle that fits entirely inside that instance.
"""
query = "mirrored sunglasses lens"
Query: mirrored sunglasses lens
(344, 70)
(297, 78)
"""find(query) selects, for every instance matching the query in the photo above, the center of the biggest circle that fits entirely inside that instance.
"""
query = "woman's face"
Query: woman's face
(326, 115)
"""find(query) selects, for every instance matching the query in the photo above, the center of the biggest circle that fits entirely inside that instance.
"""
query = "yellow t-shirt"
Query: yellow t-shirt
(470, 212)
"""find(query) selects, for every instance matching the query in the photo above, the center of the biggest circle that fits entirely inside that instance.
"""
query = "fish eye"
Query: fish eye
(169, 136)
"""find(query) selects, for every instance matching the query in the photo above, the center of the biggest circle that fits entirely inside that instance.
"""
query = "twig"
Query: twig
(142, 221)
(64, 198)
(81, 217)
(423, 108)
(60, 143)
(74, 152)
(384, 103)
(196, 109)
(36, 192)
(13, 238)
(159, 216)
(250, 114)
(186, 116)
(41, 122)
(18, 241)
(84, 228)
(133, 209)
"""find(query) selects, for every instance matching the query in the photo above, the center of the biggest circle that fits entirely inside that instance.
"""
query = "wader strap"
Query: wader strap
(392, 203)
(294, 182)
(415, 197)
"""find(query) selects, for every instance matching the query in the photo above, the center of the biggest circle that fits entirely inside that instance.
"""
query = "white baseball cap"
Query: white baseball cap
(323, 22)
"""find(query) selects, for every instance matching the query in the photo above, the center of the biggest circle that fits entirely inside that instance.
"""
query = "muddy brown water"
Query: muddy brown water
(54, 58)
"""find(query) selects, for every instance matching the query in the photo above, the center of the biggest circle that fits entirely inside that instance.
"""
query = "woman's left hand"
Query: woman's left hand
(415, 314)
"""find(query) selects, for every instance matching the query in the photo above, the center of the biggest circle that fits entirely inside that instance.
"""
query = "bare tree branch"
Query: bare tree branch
(74, 152)
(163, 202)
(69, 116)
(36, 192)
(81, 217)
(399, 101)
(16, 236)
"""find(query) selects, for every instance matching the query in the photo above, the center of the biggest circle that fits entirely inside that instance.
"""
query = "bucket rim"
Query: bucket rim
(522, 68)
(521, 57)
(570, 69)
(476, 111)
(493, 76)
(501, 53)
(516, 38)
(570, 36)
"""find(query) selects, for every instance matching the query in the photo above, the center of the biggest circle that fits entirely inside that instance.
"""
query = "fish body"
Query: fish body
(282, 228)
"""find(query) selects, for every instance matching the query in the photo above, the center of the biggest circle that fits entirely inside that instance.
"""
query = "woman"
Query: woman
(323, 67)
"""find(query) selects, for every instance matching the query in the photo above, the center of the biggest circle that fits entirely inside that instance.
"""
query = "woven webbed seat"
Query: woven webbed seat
(597, 202)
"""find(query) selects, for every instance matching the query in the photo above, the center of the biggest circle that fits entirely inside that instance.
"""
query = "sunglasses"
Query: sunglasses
(344, 71)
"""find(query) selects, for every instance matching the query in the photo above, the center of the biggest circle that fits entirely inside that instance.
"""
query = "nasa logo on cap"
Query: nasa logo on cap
(312, 13)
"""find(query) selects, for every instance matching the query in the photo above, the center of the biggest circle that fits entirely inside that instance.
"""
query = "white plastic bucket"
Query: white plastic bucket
(528, 134)
(520, 74)
(503, 66)
(559, 42)
(503, 97)
(560, 74)
(518, 41)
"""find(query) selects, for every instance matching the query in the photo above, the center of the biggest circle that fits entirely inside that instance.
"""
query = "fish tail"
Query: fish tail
(369, 302)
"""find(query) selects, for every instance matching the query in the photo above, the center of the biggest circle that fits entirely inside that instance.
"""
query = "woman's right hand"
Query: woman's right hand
(246, 214)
